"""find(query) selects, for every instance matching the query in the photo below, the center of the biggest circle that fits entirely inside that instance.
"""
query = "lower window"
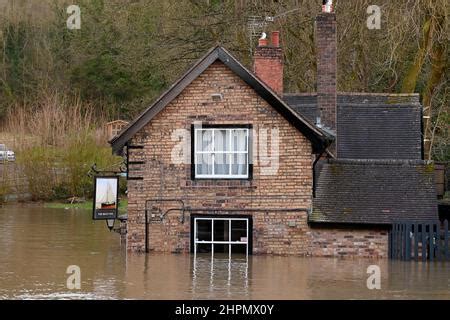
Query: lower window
(227, 235)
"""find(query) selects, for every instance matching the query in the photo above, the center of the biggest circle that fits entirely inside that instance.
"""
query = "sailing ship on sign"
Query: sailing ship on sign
(108, 201)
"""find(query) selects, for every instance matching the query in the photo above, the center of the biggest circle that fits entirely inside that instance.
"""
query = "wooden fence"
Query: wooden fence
(420, 241)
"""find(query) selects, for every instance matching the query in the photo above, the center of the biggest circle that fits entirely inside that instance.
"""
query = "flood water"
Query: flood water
(38, 244)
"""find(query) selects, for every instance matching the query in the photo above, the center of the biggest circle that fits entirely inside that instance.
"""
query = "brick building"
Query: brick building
(225, 161)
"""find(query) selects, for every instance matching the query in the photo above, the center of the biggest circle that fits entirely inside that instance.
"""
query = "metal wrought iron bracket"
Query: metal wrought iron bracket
(93, 171)
(162, 215)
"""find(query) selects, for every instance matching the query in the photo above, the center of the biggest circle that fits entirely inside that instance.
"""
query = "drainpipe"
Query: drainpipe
(422, 136)
(314, 172)
(146, 231)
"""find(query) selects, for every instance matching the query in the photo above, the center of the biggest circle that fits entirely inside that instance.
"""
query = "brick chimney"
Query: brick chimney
(326, 65)
(268, 62)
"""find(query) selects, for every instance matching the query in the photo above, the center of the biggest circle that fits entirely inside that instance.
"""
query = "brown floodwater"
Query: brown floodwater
(38, 244)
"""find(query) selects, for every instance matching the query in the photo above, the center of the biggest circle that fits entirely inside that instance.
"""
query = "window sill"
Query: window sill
(221, 178)
(201, 182)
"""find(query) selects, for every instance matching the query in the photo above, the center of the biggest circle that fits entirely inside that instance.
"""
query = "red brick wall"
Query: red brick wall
(289, 187)
(349, 242)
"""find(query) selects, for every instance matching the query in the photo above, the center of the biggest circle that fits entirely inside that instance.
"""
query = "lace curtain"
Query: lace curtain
(222, 152)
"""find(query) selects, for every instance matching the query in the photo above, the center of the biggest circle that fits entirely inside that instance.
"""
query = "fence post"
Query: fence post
(394, 242)
(405, 241)
(438, 240)
(390, 242)
(431, 240)
(402, 241)
(397, 245)
(424, 242)
(408, 242)
(401, 238)
(416, 241)
(395, 238)
(446, 250)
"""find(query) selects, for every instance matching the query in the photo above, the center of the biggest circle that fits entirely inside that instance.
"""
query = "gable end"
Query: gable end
(319, 139)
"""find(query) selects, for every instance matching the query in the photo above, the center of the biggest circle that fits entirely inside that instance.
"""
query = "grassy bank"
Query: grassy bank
(87, 205)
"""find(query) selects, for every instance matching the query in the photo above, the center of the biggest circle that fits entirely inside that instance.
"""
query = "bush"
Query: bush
(66, 141)
(36, 164)
(61, 192)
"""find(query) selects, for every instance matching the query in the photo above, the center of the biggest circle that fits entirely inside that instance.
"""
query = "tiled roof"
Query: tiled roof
(374, 192)
(371, 126)
(304, 104)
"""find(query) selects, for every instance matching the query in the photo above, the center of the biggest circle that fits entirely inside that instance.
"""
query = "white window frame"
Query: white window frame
(212, 242)
(213, 152)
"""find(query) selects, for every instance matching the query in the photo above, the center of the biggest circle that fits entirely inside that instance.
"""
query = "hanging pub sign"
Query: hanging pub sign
(106, 191)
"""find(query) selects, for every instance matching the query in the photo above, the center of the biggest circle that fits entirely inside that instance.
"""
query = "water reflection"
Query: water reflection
(404, 277)
(38, 244)
(227, 276)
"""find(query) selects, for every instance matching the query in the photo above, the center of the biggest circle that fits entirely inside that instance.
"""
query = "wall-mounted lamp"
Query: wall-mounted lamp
(110, 223)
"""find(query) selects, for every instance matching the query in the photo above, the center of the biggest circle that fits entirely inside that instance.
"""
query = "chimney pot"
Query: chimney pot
(276, 38)
(262, 42)
(327, 6)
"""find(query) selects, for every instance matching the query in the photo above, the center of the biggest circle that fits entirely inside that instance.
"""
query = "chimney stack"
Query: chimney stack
(326, 46)
(268, 62)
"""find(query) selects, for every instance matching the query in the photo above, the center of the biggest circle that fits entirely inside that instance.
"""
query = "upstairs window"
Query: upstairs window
(221, 153)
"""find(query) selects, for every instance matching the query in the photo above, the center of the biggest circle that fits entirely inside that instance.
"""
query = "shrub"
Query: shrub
(66, 140)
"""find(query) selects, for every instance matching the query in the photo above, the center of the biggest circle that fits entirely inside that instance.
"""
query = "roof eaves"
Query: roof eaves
(119, 141)
(320, 139)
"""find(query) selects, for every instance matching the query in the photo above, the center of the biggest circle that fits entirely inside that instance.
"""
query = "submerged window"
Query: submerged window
(221, 153)
(221, 235)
